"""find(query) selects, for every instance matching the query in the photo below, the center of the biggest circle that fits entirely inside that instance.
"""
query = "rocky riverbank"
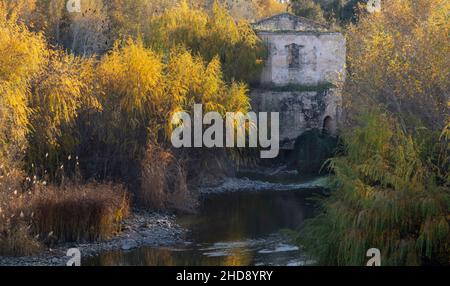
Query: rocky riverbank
(279, 178)
(159, 229)
(142, 229)
(248, 185)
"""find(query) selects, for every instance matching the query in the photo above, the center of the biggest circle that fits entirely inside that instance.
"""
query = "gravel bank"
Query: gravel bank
(142, 229)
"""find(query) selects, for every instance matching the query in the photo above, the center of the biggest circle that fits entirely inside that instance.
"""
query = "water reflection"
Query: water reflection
(232, 229)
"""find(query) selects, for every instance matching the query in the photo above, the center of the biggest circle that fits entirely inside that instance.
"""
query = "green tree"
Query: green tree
(308, 9)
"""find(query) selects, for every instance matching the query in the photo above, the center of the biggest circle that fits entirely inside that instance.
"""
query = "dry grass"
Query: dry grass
(163, 182)
(17, 241)
(79, 212)
(47, 215)
(15, 236)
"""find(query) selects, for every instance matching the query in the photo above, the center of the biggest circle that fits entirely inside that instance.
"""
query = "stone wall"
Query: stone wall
(299, 111)
(322, 58)
(303, 55)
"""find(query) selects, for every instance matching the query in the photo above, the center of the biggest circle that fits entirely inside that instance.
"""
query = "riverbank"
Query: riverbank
(141, 229)
(233, 228)
(277, 177)
(149, 229)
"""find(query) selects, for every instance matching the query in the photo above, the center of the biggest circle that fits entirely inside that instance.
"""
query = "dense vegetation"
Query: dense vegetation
(333, 12)
(392, 187)
(85, 102)
(237, 46)
(72, 111)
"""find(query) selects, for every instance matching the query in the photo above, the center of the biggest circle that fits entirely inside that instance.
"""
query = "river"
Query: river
(238, 228)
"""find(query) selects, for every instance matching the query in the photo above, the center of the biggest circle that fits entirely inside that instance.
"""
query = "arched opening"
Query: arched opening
(312, 150)
(328, 126)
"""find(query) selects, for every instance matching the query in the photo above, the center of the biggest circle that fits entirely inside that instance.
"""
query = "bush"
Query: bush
(141, 90)
(72, 213)
(390, 194)
(312, 150)
(78, 213)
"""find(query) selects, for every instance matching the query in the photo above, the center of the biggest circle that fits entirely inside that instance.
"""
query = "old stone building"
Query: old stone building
(305, 66)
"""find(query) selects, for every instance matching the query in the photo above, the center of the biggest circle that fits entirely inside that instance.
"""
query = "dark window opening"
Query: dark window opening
(293, 56)
(328, 125)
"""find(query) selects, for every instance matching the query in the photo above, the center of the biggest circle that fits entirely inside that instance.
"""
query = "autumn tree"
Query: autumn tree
(235, 43)
(392, 177)
(61, 91)
(132, 18)
(23, 55)
(398, 58)
(23, 10)
(51, 18)
(140, 89)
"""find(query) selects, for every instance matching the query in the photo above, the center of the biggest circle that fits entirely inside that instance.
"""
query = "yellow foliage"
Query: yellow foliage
(268, 8)
(399, 58)
(54, 102)
(60, 92)
(141, 90)
(131, 78)
(239, 49)
(22, 56)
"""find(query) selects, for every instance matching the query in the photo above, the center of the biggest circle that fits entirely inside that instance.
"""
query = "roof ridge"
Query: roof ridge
(291, 15)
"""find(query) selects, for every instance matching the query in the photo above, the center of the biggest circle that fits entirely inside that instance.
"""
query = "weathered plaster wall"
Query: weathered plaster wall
(299, 111)
(301, 53)
(322, 58)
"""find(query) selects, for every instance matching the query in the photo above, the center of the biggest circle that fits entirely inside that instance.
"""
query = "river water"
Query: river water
(238, 228)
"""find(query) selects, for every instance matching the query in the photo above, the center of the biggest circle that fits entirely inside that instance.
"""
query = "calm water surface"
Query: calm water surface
(231, 229)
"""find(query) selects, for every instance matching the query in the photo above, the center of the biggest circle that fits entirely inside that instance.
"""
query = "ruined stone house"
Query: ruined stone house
(304, 68)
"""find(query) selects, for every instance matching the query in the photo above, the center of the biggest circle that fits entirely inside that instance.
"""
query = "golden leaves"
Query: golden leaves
(399, 59)
(23, 54)
(239, 49)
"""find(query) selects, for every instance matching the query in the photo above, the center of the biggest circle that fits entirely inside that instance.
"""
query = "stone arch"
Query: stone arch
(328, 126)
(312, 150)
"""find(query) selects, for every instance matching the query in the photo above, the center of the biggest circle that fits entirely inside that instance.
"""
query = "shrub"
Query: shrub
(32, 213)
(79, 213)
(140, 91)
(389, 195)
(60, 93)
